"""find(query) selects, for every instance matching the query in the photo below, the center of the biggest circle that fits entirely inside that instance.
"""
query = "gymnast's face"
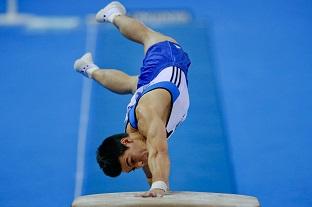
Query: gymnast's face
(135, 156)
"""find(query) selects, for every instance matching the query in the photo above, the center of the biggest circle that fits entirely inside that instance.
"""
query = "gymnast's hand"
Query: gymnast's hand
(153, 193)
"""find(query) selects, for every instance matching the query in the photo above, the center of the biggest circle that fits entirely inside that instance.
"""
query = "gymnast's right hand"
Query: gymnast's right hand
(153, 193)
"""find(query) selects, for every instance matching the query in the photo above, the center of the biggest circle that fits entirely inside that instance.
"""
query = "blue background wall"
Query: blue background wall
(261, 58)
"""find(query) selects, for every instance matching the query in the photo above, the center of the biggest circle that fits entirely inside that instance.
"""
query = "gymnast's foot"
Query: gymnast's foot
(85, 65)
(108, 13)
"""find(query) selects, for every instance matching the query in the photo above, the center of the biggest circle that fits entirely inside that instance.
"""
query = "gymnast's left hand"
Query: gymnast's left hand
(153, 193)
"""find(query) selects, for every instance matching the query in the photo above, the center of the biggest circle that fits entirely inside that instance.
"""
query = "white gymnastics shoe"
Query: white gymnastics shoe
(85, 65)
(108, 13)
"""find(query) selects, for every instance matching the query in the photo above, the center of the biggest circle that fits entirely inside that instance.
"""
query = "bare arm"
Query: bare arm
(158, 152)
(156, 142)
(116, 80)
(152, 113)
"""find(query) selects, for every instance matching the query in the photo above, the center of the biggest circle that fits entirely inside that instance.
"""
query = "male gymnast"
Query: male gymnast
(159, 103)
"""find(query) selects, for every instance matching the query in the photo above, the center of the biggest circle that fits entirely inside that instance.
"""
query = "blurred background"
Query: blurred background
(248, 128)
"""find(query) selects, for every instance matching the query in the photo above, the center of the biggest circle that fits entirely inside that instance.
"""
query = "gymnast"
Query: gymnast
(159, 103)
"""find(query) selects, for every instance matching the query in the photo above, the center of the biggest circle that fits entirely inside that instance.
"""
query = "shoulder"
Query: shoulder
(153, 107)
(155, 102)
(155, 98)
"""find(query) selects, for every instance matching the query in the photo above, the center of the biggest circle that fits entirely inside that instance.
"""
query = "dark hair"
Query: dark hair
(108, 153)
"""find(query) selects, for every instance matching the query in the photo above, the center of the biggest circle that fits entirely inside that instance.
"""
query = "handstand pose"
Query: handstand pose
(160, 101)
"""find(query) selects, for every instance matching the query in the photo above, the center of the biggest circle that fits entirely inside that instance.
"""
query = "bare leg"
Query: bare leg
(138, 32)
(116, 80)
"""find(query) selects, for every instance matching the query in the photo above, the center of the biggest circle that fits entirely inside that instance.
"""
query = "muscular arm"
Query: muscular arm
(116, 80)
(152, 113)
(158, 151)
(156, 143)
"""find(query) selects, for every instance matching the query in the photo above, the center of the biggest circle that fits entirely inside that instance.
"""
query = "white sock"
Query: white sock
(115, 12)
(90, 68)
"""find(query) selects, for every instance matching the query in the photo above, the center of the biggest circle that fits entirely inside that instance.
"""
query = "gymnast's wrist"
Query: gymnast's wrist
(159, 185)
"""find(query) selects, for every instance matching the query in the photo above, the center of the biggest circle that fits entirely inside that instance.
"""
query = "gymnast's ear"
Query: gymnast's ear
(126, 140)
